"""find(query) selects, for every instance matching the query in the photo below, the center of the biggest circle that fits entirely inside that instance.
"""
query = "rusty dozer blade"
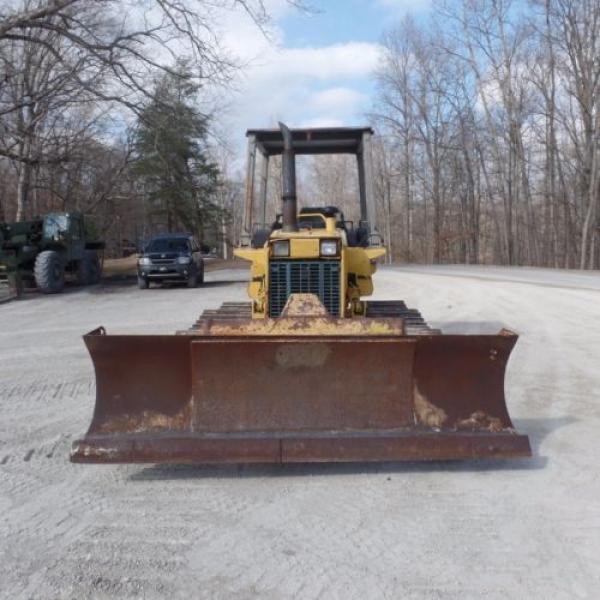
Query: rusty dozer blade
(233, 392)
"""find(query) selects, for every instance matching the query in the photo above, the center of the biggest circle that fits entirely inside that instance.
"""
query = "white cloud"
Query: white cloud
(323, 122)
(336, 98)
(353, 59)
(404, 6)
(287, 84)
(303, 86)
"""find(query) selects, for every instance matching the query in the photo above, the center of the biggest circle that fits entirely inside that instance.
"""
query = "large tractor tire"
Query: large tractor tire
(49, 272)
(89, 269)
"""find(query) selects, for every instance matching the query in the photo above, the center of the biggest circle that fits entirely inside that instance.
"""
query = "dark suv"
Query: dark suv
(171, 257)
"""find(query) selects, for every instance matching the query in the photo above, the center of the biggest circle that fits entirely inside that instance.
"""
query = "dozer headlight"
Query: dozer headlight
(329, 247)
(280, 248)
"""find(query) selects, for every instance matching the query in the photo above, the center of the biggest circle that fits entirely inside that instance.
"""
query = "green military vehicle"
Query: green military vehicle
(47, 251)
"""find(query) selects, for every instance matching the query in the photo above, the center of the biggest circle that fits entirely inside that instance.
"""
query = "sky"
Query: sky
(316, 69)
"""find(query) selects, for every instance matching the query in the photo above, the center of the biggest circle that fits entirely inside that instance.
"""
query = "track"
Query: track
(414, 322)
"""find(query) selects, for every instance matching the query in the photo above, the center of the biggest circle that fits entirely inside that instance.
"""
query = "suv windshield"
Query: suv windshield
(168, 245)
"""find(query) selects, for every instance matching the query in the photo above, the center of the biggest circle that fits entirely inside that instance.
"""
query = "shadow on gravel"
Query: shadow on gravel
(32, 293)
(175, 472)
(110, 285)
(469, 327)
(114, 284)
(537, 429)
(210, 284)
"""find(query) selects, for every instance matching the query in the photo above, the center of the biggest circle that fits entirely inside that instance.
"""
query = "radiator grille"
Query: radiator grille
(321, 278)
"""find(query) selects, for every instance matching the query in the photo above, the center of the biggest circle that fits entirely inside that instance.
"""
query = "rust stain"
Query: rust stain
(149, 420)
(480, 421)
(305, 355)
(94, 451)
(427, 413)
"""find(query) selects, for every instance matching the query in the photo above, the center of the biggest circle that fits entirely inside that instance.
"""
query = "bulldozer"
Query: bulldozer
(309, 370)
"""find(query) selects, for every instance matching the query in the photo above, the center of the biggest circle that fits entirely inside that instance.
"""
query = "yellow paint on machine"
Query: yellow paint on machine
(357, 265)
(304, 248)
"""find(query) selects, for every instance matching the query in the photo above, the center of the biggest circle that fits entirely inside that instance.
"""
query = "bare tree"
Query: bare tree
(576, 31)
(67, 63)
(45, 114)
(500, 110)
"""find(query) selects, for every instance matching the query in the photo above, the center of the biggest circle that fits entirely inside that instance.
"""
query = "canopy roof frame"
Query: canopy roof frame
(309, 141)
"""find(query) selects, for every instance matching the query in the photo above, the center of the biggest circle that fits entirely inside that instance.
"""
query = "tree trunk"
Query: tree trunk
(587, 234)
(23, 186)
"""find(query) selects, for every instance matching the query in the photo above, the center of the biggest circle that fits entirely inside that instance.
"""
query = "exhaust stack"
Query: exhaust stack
(288, 162)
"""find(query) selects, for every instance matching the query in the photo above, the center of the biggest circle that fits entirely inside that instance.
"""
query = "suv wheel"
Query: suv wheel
(89, 269)
(143, 283)
(192, 280)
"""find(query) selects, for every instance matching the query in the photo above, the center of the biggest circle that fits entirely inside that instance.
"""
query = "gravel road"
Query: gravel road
(514, 529)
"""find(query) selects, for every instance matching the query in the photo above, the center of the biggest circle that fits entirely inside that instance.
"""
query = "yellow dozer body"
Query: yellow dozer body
(308, 370)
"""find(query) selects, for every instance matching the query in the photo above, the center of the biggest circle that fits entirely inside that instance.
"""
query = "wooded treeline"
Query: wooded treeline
(490, 145)
(102, 111)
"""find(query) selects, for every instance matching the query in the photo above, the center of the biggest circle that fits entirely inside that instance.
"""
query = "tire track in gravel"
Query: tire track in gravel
(136, 546)
(37, 416)
(37, 488)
